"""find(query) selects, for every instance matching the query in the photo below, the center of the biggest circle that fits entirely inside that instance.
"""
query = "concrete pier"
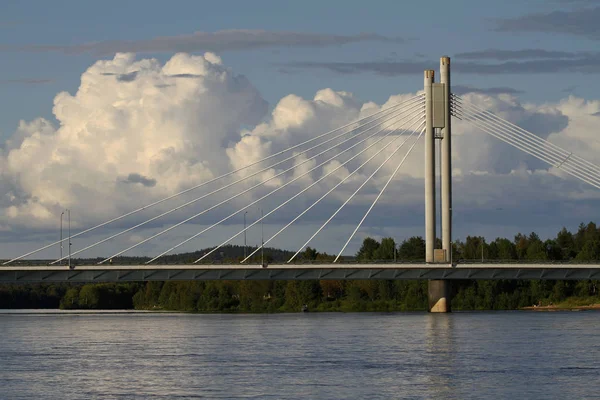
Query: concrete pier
(439, 295)
(429, 168)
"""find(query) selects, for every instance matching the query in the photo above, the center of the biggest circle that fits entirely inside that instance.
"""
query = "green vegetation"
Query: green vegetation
(371, 295)
(100, 296)
(283, 296)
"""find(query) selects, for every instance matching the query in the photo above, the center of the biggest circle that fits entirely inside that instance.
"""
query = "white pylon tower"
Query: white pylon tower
(429, 168)
(446, 155)
(437, 116)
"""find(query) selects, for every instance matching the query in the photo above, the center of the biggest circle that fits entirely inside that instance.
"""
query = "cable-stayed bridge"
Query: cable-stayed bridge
(299, 271)
(383, 139)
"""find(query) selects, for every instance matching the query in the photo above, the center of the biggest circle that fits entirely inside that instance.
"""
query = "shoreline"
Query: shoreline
(562, 308)
(55, 311)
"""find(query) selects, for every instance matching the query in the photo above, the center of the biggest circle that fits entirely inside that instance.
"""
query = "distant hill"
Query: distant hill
(226, 254)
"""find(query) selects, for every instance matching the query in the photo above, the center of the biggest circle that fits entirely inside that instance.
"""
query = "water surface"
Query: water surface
(285, 356)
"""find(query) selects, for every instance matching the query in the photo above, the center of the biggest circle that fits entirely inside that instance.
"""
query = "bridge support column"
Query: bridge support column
(446, 155)
(439, 296)
(429, 169)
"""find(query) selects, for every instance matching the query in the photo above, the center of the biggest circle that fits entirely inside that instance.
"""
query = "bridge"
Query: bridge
(426, 116)
(338, 271)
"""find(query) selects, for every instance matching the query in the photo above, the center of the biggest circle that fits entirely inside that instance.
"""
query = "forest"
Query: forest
(344, 296)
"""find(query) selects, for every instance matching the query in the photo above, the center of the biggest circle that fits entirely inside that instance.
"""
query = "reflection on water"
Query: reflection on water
(320, 356)
(441, 351)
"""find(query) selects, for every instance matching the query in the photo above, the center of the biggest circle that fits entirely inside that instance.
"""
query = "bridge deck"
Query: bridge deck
(133, 273)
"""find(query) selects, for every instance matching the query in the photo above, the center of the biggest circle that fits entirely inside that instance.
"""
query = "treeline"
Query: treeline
(98, 296)
(226, 254)
(283, 296)
(327, 295)
(582, 246)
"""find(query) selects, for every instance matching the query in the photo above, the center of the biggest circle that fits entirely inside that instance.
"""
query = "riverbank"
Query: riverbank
(562, 308)
(571, 304)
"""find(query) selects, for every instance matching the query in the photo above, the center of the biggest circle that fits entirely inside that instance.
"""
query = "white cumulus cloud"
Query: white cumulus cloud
(165, 124)
(138, 130)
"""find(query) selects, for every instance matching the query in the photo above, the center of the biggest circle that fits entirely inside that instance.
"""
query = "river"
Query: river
(66, 355)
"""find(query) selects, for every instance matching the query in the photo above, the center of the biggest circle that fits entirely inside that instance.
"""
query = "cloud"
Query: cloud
(385, 68)
(220, 41)
(26, 81)
(493, 156)
(128, 77)
(504, 55)
(577, 2)
(131, 76)
(578, 22)
(151, 124)
(584, 62)
(463, 89)
(123, 143)
(137, 178)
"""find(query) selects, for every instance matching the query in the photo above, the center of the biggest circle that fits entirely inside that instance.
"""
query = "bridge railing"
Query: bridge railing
(461, 261)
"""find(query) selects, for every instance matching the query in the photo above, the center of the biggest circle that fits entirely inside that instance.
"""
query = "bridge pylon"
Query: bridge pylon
(437, 127)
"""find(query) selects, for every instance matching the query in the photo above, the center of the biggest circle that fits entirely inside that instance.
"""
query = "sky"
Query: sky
(109, 106)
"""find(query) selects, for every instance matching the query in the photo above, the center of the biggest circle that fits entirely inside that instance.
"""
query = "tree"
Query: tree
(367, 250)
(332, 289)
(324, 257)
(412, 249)
(521, 244)
(505, 249)
(386, 250)
(553, 250)
(566, 243)
(536, 249)
(585, 233)
(71, 299)
(89, 296)
(310, 254)
(474, 245)
(590, 251)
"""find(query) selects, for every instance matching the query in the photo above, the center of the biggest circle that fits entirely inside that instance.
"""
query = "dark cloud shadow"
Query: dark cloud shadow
(580, 22)
(137, 178)
(462, 89)
(523, 54)
(25, 81)
(585, 62)
(220, 41)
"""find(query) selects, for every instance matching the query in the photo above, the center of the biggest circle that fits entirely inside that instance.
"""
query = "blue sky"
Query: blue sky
(538, 53)
(30, 79)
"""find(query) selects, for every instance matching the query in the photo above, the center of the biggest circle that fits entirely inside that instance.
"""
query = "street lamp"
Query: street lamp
(245, 234)
(451, 247)
(482, 240)
(61, 235)
(262, 239)
(69, 219)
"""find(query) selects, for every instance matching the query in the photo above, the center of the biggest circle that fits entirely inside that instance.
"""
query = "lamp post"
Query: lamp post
(262, 239)
(482, 239)
(61, 235)
(245, 234)
(69, 219)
